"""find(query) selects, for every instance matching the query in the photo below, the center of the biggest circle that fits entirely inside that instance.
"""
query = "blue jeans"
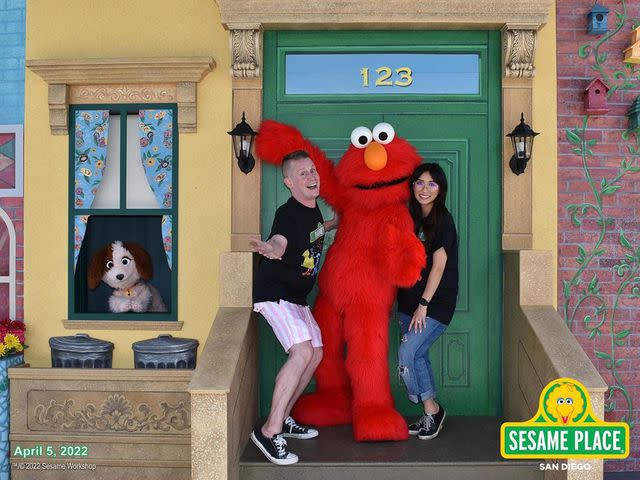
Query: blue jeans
(414, 365)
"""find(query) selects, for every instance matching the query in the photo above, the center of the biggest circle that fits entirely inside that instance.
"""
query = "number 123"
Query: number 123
(385, 73)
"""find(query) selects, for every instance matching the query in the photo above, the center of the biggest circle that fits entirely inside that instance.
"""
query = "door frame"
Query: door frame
(487, 45)
(518, 21)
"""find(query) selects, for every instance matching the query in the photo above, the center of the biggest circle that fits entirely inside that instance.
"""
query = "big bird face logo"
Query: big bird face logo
(564, 404)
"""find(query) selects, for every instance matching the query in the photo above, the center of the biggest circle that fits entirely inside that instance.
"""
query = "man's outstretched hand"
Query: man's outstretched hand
(273, 248)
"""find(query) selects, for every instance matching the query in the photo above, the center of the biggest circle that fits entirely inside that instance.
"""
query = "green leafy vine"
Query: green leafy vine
(619, 79)
(601, 313)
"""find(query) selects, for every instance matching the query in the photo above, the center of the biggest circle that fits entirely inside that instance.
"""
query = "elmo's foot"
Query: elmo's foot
(323, 409)
(374, 423)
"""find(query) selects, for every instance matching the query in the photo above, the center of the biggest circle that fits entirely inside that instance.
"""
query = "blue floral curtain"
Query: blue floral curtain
(92, 132)
(156, 149)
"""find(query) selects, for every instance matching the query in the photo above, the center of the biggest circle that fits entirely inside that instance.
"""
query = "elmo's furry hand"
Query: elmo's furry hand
(276, 140)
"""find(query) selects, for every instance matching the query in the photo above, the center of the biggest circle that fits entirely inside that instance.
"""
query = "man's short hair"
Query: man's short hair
(286, 161)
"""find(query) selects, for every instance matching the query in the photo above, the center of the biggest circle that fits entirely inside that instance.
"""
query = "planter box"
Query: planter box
(130, 423)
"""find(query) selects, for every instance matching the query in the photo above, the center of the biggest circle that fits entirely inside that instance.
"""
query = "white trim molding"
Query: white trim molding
(11, 278)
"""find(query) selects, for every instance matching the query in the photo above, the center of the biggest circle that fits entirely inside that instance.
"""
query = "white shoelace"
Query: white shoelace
(280, 444)
(293, 426)
(427, 421)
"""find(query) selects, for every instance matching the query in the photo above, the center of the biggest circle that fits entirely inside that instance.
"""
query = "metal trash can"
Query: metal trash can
(80, 351)
(165, 351)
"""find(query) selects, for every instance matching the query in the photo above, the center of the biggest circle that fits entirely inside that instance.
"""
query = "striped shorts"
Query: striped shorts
(291, 323)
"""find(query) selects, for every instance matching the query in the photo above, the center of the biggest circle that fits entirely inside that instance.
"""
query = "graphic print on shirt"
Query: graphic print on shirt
(311, 256)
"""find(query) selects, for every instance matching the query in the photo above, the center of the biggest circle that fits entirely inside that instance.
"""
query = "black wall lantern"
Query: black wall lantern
(242, 136)
(522, 141)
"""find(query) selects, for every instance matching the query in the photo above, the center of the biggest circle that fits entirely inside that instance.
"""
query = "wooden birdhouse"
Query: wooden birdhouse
(595, 97)
(597, 20)
(633, 114)
(632, 54)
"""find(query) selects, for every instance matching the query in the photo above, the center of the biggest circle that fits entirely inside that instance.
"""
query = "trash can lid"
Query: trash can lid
(80, 343)
(165, 344)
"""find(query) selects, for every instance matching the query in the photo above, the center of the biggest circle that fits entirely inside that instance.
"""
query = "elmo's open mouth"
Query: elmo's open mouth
(382, 184)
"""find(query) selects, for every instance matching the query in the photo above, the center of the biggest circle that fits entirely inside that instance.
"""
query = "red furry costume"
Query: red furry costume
(374, 252)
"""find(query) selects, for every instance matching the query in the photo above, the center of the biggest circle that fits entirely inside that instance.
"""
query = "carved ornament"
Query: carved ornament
(116, 414)
(518, 51)
(245, 50)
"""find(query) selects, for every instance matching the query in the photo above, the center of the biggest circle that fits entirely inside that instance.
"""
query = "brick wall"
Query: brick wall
(12, 55)
(596, 289)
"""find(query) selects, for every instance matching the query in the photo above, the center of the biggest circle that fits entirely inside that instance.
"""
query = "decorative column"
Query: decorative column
(518, 52)
(246, 70)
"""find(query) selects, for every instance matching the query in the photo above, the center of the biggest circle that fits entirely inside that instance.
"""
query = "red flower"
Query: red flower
(15, 327)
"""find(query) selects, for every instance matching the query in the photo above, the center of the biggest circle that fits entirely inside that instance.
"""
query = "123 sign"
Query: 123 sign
(374, 73)
(385, 77)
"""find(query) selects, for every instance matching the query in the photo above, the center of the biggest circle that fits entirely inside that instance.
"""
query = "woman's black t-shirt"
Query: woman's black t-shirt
(443, 303)
(293, 277)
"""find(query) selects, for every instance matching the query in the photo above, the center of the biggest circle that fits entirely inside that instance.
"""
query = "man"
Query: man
(282, 284)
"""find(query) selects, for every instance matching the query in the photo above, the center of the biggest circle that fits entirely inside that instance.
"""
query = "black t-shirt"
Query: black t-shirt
(443, 303)
(292, 278)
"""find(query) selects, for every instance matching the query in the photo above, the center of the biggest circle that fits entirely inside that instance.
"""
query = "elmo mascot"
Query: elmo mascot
(374, 252)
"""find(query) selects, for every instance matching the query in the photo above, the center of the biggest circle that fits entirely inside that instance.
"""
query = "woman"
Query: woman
(425, 310)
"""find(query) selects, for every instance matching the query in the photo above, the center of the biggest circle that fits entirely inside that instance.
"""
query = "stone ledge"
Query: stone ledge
(136, 70)
(106, 80)
(362, 14)
(120, 325)
(220, 357)
(103, 374)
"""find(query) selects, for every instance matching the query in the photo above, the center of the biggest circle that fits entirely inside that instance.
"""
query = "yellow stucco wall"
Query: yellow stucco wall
(545, 156)
(121, 28)
(125, 28)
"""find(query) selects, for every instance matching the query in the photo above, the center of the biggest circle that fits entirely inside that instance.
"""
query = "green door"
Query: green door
(455, 127)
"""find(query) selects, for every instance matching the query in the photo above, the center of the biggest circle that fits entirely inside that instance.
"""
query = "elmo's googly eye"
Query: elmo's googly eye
(383, 133)
(361, 137)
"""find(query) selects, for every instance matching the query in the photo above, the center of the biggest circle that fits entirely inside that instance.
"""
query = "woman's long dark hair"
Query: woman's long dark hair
(431, 222)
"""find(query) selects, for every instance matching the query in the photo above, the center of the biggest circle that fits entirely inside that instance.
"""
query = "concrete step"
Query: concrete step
(466, 448)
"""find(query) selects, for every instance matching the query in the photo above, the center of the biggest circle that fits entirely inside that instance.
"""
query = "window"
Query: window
(123, 179)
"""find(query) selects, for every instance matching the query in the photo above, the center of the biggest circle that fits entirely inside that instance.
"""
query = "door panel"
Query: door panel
(463, 138)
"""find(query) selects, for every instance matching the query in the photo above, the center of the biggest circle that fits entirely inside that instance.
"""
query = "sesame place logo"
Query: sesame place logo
(564, 427)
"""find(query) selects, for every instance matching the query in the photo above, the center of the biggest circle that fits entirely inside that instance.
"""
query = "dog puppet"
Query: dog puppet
(127, 268)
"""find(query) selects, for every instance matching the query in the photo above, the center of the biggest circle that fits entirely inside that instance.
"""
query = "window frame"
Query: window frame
(123, 110)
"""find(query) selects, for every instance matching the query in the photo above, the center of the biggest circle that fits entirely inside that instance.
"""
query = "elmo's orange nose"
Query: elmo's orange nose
(375, 156)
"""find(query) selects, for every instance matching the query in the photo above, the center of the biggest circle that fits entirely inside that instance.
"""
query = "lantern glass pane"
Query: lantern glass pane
(529, 147)
(235, 142)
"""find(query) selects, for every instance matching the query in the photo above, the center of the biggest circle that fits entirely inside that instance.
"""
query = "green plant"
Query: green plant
(580, 296)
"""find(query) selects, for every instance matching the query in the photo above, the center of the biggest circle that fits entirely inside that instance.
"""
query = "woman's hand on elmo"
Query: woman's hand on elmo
(419, 319)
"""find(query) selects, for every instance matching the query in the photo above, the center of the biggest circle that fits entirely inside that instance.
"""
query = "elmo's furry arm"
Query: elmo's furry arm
(401, 256)
(276, 140)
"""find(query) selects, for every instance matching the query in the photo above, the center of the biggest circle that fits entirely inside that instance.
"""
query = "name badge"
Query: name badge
(317, 233)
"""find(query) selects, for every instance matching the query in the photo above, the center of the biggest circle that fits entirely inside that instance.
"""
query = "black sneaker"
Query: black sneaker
(291, 429)
(274, 448)
(418, 425)
(433, 425)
